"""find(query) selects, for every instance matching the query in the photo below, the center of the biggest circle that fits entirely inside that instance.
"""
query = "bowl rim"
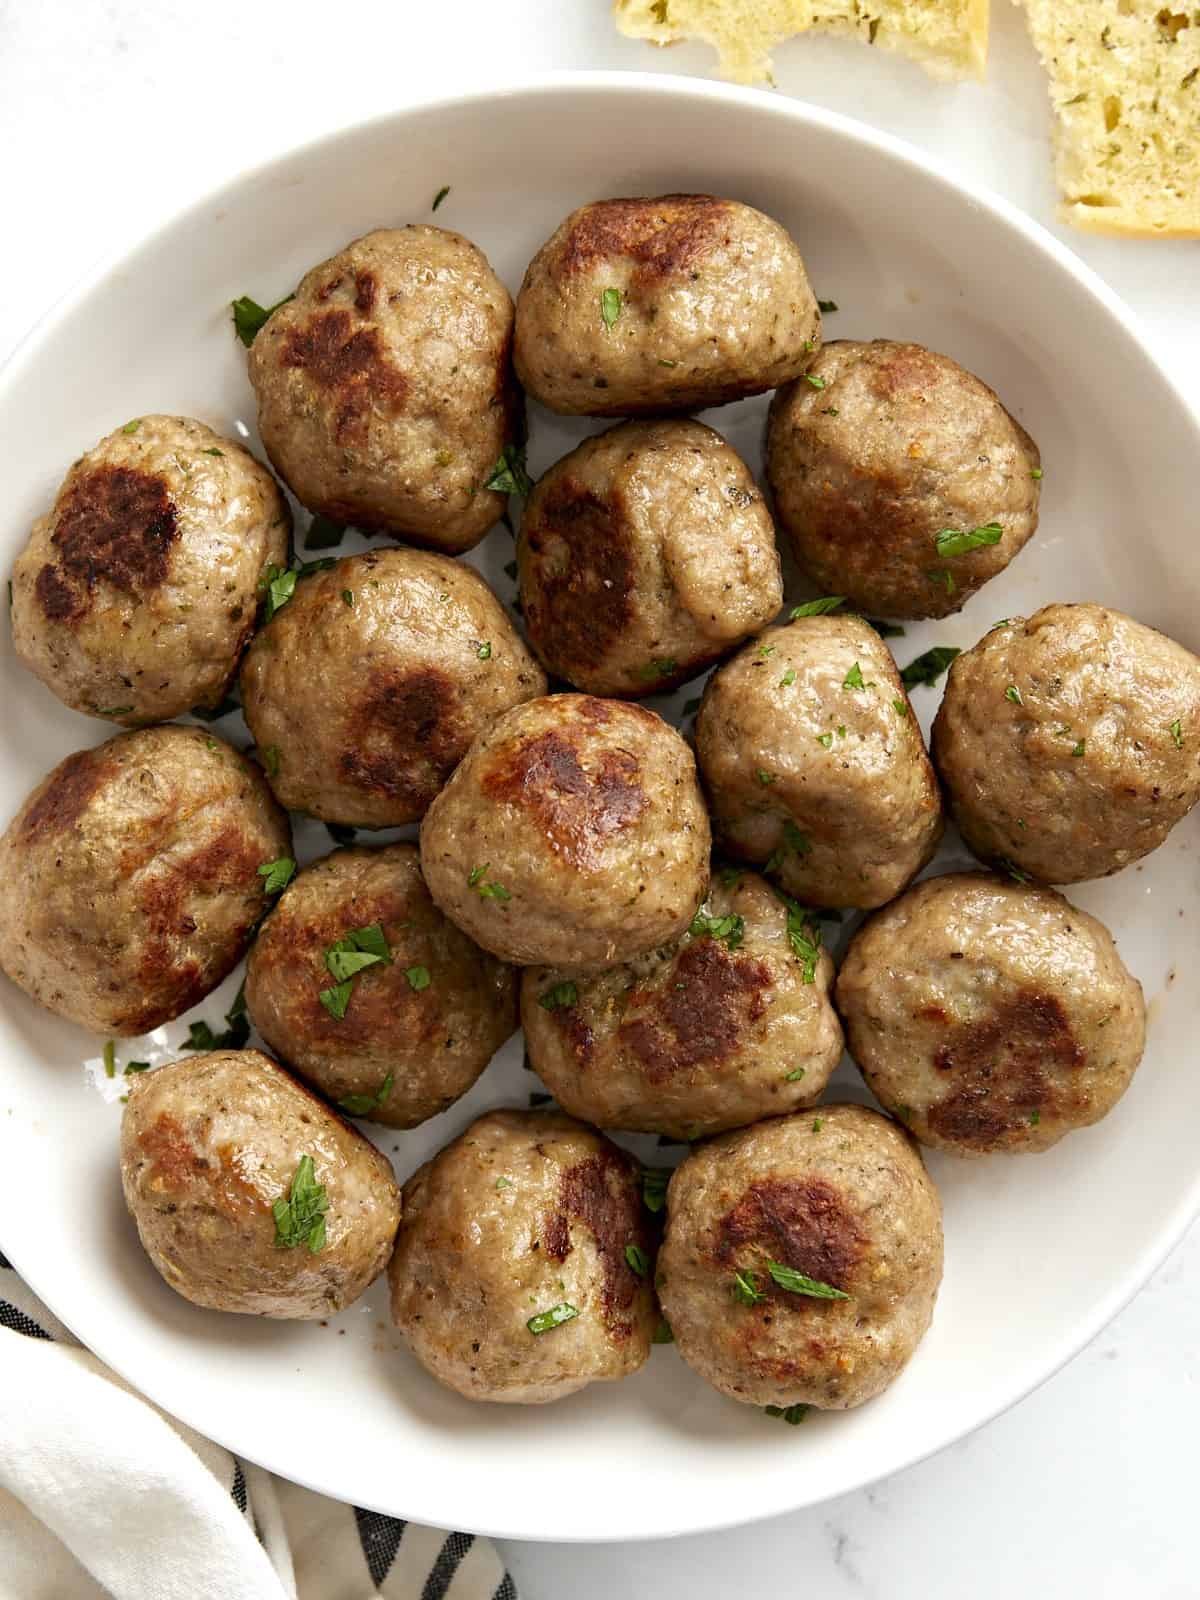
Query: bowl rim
(651, 86)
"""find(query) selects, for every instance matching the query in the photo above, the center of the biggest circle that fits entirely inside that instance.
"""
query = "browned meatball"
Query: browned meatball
(248, 1193)
(731, 1024)
(815, 765)
(802, 1258)
(368, 686)
(405, 1036)
(989, 1015)
(572, 834)
(522, 1265)
(135, 596)
(1069, 743)
(385, 387)
(129, 879)
(645, 555)
(902, 481)
(670, 304)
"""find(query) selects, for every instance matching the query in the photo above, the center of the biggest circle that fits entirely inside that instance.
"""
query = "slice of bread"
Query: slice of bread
(948, 37)
(1125, 84)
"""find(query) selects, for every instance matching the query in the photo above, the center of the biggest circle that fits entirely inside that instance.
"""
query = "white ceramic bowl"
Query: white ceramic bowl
(1041, 1251)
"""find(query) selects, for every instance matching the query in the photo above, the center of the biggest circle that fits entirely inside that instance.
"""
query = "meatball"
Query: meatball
(248, 1193)
(645, 555)
(402, 1038)
(814, 763)
(137, 593)
(130, 879)
(639, 306)
(573, 834)
(901, 480)
(372, 681)
(522, 1265)
(802, 1258)
(730, 1024)
(1069, 743)
(385, 388)
(990, 1015)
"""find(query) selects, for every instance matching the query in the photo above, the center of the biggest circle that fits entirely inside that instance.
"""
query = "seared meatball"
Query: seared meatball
(372, 681)
(815, 764)
(136, 594)
(522, 1265)
(573, 834)
(1069, 743)
(248, 1193)
(902, 481)
(670, 304)
(990, 1015)
(766, 1222)
(129, 879)
(407, 1035)
(385, 387)
(730, 1024)
(644, 555)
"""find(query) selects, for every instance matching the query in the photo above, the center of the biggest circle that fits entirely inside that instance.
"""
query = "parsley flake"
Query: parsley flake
(485, 650)
(662, 1334)
(765, 778)
(804, 936)
(730, 929)
(1176, 732)
(559, 997)
(110, 1058)
(953, 542)
(485, 890)
(610, 306)
(817, 608)
(1014, 694)
(745, 1289)
(798, 1283)
(300, 1218)
(348, 596)
(795, 1075)
(637, 1259)
(509, 475)
(826, 306)
(554, 1318)
(928, 667)
(132, 427)
(654, 1187)
(418, 978)
(249, 316)
(277, 874)
(817, 383)
(440, 196)
(1035, 472)
(788, 678)
(362, 1105)
(854, 678)
(794, 1415)
(664, 667)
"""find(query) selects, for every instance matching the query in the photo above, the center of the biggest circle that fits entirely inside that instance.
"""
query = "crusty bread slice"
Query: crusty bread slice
(1125, 83)
(948, 37)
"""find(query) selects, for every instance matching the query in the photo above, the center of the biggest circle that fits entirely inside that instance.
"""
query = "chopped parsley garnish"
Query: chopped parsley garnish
(348, 596)
(765, 650)
(798, 1283)
(249, 316)
(900, 707)
(817, 383)
(132, 427)
(943, 576)
(559, 997)
(504, 1183)
(956, 542)
(484, 652)
(745, 1289)
(554, 1318)
(826, 739)
(277, 874)
(440, 196)
(804, 935)
(279, 585)
(885, 630)
(300, 1218)
(795, 1075)
(854, 678)
(663, 362)
(637, 1259)
(664, 667)
(1003, 623)
(115, 711)
(826, 306)
(110, 1058)
(817, 1125)
(928, 667)
(794, 841)
(1079, 747)
(418, 978)
(765, 778)
(201, 1037)
(324, 533)
(345, 958)
(662, 1334)
(1035, 472)
(213, 451)
(817, 608)
(654, 1187)
(362, 1105)
(1014, 694)
(731, 929)
(610, 306)
(509, 475)
(136, 1066)
(690, 707)
(486, 890)
(791, 1414)
(1035, 1116)
(830, 411)
(1176, 732)
(788, 678)
(1013, 870)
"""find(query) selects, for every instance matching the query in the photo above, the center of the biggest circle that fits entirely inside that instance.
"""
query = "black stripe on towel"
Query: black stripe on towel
(507, 1589)
(239, 1487)
(380, 1538)
(12, 1317)
(450, 1558)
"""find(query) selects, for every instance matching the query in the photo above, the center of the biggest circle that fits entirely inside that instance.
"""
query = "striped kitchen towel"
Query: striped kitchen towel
(104, 1497)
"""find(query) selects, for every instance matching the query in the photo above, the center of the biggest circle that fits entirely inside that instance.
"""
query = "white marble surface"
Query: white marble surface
(111, 115)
